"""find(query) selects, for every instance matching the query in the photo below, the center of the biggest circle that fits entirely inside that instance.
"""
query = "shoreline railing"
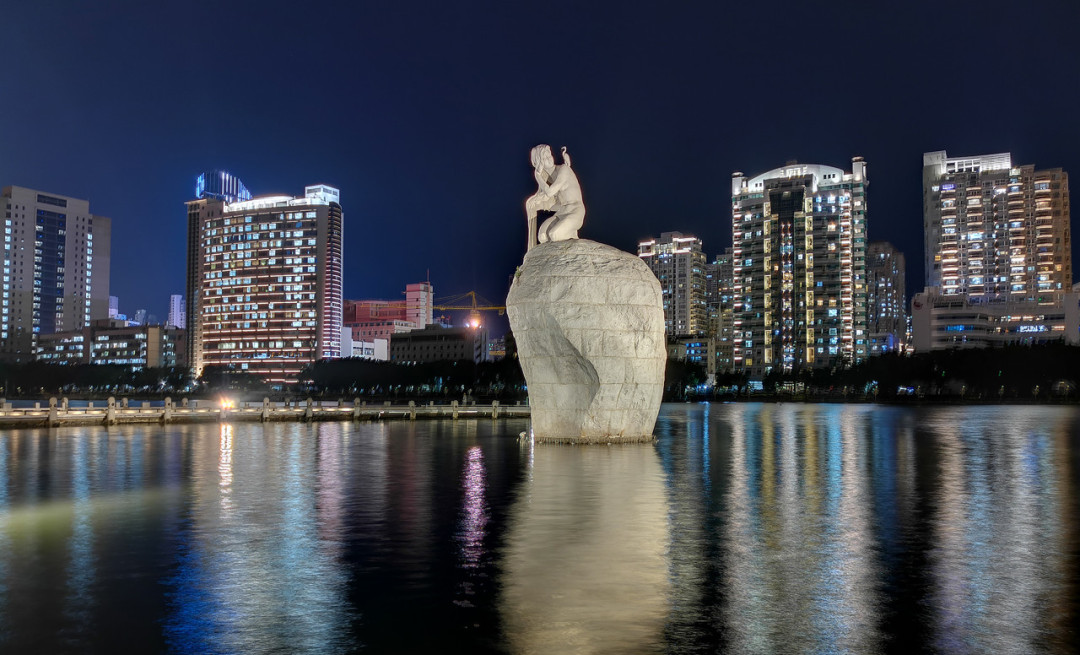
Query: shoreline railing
(56, 413)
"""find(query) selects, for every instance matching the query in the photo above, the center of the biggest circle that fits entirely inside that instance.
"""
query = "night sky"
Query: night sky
(423, 115)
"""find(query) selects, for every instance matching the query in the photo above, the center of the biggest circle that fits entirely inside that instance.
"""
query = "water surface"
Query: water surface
(747, 528)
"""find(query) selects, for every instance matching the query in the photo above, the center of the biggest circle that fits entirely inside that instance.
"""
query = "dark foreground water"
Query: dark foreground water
(745, 529)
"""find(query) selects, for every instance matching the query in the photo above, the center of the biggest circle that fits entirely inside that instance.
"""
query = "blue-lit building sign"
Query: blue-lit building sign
(221, 185)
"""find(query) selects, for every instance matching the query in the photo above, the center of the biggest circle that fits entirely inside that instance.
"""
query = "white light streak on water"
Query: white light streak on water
(474, 512)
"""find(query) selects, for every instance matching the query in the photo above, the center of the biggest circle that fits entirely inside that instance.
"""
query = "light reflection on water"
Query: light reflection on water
(585, 566)
(801, 567)
(1000, 558)
(261, 571)
(864, 529)
(747, 528)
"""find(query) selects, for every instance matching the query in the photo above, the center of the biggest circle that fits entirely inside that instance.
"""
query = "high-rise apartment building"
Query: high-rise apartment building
(886, 308)
(799, 250)
(55, 268)
(994, 231)
(176, 311)
(719, 294)
(264, 282)
(678, 262)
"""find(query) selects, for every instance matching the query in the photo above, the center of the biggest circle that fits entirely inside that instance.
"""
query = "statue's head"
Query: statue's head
(541, 155)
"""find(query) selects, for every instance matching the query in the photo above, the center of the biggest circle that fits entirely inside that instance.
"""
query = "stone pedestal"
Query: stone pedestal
(588, 320)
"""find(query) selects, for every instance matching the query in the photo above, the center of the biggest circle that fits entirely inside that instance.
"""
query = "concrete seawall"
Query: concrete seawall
(57, 413)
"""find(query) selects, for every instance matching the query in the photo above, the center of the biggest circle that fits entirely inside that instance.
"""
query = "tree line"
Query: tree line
(1048, 371)
(1008, 373)
(37, 379)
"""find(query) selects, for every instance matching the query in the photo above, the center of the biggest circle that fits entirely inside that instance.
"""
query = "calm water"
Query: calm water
(745, 529)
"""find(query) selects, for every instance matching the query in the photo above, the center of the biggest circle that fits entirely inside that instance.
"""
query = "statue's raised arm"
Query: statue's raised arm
(558, 193)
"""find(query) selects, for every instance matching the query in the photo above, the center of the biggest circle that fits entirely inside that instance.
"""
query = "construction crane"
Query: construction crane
(470, 302)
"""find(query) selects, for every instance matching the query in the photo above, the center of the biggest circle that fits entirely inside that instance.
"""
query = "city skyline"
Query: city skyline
(434, 115)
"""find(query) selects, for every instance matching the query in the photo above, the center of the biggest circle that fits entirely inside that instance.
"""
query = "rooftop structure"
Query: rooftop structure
(221, 185)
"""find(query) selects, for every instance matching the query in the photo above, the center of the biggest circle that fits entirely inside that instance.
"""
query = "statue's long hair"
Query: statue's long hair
(536, 152)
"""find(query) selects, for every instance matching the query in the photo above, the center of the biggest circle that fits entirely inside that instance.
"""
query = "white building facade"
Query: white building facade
(177, 317)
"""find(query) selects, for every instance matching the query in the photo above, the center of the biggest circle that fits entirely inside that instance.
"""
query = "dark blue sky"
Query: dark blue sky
(423, 115)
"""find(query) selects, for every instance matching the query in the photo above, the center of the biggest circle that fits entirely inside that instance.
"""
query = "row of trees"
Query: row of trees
(1005, 373)
(445, 379)
(39, 378)
(343, 377)
(1008, 373)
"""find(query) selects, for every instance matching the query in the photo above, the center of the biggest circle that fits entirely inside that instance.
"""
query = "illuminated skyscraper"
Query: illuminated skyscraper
(264, 282)
(799, 251)
(994, 231)
(55, 268)
(886, 309)
(679, 263)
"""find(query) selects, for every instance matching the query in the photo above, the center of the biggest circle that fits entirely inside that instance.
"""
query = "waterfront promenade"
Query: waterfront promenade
(57, 412)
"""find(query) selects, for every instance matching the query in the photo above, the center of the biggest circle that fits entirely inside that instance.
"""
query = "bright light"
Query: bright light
(227, 403)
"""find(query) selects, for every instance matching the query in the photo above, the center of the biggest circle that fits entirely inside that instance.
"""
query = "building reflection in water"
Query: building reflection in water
(745, 528)
(800, 566)
(79, 600)
(5, 540)
(225, 469)
(685, 448)
(1005, 511)
(584, 563)
(254, 573)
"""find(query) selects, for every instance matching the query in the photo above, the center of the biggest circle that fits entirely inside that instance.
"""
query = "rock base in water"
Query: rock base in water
(588, 320)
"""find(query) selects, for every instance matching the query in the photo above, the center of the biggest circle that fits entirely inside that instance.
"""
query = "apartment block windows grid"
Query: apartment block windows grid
(799, 268)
